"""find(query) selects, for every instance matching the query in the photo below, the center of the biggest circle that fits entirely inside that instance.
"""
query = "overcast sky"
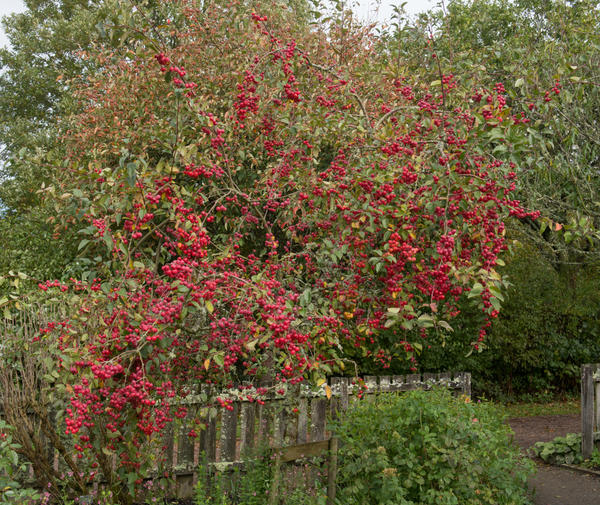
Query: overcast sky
(367, 9)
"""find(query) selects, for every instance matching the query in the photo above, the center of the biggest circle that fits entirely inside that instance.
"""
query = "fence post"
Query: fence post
(332, 470)
(587, 410)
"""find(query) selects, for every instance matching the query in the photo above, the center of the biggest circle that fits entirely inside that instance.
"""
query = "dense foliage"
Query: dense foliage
(547, 328)
(261, 207)
(233, 192)
(428, 448)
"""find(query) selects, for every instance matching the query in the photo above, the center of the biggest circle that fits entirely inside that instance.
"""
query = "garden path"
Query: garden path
(553, 485)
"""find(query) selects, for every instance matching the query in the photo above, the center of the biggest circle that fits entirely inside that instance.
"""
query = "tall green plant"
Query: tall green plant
(428, 448)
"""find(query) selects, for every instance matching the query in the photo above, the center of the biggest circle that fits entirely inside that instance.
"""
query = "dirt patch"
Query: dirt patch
(529, 430)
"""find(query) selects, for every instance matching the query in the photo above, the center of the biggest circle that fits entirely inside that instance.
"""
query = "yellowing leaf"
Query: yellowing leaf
(320, 382)
(328, 392)
(206, 363)
(209, 306)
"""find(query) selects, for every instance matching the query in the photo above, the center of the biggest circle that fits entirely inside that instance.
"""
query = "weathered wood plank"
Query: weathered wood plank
(429, 379)
(280, 418)
(371, 383)
(412, 381)
(299, 451)
(385, 382)
(265, 423)
(466, 384)
(587, 410)
(334, 402)
(596, 405)
(210, 449)
(344, 400)
(318, 416)
(185, 454)
(397, 383)
(301, 437)
(247, 427)
(332, 470)
(229, 432)
(444, 378)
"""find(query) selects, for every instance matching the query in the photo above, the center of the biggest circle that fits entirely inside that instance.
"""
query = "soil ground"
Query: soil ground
(553, 485)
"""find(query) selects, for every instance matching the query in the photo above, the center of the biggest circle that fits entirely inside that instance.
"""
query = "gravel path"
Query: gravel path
(553, 485)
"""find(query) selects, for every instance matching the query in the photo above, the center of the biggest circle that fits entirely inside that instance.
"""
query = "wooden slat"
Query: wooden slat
(596, 405)
(301, 437)
(210, 449)
(299, 451)
(412, 382)
(587, 411)
(247, 427)
(466, 389)
(397, 383)
(371, 383)
(197, 450)
(332, 470)
(385, 382)
(318, 416)
(274, 491)
(428, 379)
(185, 453)
(344, 393)
(229, 432)
(334, 402)
(265, 423)
(280, 425)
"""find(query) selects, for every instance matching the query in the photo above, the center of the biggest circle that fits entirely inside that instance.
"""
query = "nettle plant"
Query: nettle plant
(260, 202)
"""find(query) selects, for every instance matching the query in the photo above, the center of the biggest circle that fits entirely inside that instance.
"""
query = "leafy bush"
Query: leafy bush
(561, 450)
(567, 450)
(428, 448)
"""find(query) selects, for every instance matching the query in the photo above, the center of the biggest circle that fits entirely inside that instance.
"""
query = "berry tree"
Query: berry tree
(260, 201)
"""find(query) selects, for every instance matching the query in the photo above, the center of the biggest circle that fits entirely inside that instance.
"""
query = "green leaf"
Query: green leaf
(131, 174)
(475, 290)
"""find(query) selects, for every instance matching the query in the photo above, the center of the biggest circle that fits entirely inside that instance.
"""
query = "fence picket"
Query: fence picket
(385, 383)
(211, 439)
(318, 416)
(247, 427)
(301, 437)
(229, 432)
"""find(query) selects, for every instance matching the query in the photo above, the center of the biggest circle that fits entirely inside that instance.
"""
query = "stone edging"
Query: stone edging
(580, 469)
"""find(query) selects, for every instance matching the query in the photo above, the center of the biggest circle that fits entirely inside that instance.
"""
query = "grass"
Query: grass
(553, 408)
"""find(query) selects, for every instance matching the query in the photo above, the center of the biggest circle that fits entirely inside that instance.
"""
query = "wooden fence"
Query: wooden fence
(590, 407)
(292, 422)
(295, 422)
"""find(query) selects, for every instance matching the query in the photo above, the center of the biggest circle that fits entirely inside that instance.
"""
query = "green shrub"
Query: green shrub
(428, 448)
(561, 450)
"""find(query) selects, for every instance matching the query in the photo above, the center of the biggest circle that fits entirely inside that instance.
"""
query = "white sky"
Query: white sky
(367, 8)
